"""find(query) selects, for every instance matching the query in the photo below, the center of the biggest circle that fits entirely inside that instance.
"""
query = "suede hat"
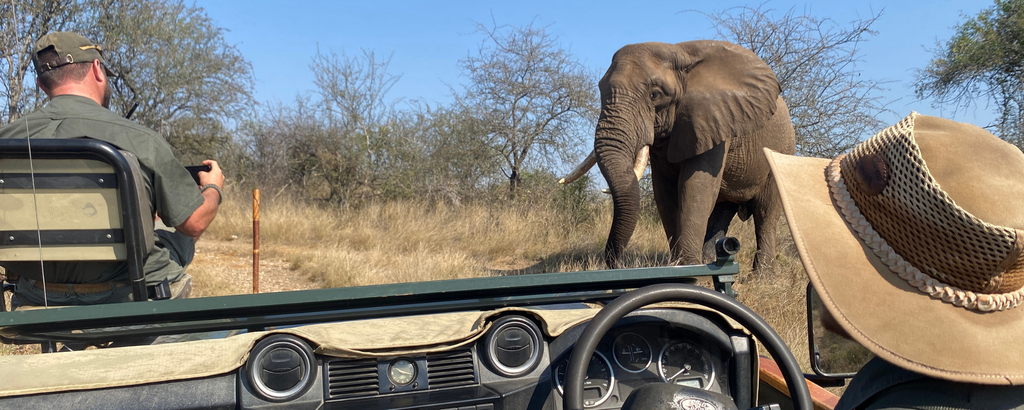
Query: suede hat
(913, 241)
(71, 48)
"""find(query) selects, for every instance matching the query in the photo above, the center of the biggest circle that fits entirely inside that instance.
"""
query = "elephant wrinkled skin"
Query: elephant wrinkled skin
(706, 109)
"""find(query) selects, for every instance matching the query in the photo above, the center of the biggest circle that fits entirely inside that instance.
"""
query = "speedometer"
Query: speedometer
(632, 352)
(597, 388)
(685, 364)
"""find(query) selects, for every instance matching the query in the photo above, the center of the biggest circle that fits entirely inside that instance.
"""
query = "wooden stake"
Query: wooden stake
(255, 241)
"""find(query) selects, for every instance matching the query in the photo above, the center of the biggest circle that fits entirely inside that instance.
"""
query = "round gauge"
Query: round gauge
(597, 388)
(684, 364)
(402, 372)
(632, 352)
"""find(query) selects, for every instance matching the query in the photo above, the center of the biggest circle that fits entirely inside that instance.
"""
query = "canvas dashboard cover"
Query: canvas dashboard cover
(136, 365)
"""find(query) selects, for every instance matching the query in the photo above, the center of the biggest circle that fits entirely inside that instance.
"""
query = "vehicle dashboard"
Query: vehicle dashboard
(514, 364)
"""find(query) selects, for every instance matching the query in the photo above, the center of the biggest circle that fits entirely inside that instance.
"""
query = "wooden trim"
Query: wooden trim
(769, 372)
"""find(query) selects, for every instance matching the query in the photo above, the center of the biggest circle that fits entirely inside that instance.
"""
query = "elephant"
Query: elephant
(704, 110)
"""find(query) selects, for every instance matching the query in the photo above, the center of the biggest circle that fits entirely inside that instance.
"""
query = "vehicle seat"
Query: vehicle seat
(89, 203)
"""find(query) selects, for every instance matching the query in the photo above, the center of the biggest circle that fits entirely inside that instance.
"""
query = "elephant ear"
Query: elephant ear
(728, 92)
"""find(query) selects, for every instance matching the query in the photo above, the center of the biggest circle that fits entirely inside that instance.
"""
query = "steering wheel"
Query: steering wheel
(576, 371)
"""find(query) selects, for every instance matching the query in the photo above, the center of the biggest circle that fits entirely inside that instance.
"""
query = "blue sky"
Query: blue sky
(427, 38)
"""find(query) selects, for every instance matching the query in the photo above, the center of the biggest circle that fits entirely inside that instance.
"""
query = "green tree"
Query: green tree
(174, 62)
(344, 144)
(458, 163)
(983, 61)
(815, 59)
(24, 22)
(534, 98)
(171, 59)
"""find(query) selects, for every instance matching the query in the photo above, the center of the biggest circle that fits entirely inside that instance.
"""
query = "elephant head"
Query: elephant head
(684, 100)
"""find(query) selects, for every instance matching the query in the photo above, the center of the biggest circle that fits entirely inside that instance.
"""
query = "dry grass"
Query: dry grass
(407, 241)
(403, 241)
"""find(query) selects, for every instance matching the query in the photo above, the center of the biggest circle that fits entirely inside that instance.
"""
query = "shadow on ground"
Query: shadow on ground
(574, 260)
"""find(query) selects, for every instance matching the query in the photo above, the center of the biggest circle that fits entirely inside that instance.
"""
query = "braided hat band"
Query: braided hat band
(890, 199)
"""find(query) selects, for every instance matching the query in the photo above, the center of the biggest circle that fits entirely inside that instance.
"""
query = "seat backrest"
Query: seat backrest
(73, 200)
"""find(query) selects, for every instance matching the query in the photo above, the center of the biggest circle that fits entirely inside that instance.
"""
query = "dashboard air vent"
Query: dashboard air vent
(450, 369)
(351, 378)
(280, 368)
(513, 346)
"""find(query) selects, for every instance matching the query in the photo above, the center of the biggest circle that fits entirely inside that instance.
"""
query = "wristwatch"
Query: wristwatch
(220, 194)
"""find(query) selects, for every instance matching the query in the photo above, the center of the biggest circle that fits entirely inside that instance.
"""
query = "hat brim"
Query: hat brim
(880, 310)
(107, 70)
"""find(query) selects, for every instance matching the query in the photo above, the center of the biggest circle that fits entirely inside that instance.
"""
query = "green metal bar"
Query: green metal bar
(259, 323)
(297, 307)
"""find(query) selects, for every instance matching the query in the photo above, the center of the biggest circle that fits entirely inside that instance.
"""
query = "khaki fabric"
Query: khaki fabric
(127, 366)
(59, 209)
(423, 334)
(882, 311)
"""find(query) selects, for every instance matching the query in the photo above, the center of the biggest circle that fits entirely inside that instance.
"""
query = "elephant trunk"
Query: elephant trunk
(616, 166)
(617, 156)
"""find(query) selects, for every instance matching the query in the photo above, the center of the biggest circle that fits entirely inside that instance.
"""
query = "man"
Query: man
(914, 243)
(70, 69)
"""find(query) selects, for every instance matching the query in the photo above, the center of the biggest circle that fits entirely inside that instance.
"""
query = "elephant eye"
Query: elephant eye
(655, 94)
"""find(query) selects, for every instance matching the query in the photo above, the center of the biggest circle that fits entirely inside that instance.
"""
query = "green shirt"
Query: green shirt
(882, 386)
(173, 195)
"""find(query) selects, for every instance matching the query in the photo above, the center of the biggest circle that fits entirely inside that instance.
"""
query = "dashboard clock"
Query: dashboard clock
(402, 372)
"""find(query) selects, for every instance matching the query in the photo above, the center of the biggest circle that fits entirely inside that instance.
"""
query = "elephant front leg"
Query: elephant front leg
(664, 181)
(700, 179)
(718, 227)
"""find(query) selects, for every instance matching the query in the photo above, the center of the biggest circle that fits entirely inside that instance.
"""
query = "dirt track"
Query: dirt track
(225, 268)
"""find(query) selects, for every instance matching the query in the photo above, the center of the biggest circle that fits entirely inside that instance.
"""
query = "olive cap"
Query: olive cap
(71, 48)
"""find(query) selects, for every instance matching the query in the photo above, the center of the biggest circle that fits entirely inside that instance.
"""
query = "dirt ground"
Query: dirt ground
(226, 268)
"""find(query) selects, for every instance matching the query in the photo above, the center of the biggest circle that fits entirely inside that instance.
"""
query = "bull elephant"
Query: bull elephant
(703, 110)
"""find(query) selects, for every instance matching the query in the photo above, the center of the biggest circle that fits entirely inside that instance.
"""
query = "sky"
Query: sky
(426, 39)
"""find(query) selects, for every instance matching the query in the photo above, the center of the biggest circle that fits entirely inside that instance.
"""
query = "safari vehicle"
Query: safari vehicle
(630, 338)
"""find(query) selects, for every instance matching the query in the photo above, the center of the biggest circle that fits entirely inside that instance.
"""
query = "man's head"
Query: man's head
(914, 242)
(66, 59)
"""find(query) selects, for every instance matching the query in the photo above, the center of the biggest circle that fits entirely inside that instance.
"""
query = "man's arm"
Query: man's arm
(197, 223)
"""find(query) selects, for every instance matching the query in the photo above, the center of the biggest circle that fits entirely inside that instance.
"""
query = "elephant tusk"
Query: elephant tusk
(581, 169)
(641, 161)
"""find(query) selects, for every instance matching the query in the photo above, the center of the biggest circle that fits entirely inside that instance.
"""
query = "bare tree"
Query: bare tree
(24, 22)
(530, 95)
(815, 59)
(353, 92)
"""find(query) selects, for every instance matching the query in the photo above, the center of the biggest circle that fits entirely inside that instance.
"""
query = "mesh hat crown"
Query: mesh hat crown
(70, 48)
(890, 198)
